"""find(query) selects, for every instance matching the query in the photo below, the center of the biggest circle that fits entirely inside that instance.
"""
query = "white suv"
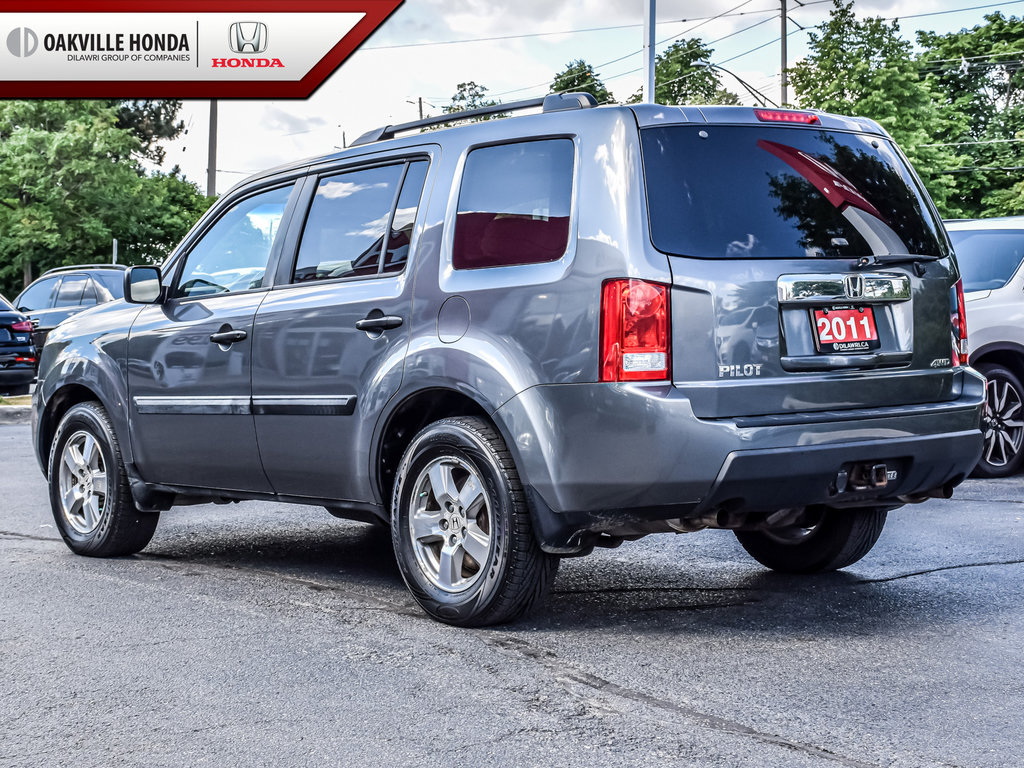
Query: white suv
(990, 252)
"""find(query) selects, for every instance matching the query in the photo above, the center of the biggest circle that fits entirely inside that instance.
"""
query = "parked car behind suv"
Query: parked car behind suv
(520, 339)
(65, 291)
(17, 353)
(990, 253)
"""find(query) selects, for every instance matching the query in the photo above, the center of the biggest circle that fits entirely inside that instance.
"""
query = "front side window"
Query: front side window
(233, 254)
(38, 296)
(514, 205)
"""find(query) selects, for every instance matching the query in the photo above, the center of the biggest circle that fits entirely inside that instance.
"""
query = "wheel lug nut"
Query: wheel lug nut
(444, 525)
(453, 540)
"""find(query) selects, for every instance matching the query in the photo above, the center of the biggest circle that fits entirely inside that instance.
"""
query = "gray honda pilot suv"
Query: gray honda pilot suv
(519, 339)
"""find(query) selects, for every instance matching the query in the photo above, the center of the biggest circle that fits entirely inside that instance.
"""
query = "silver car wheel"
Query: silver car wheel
(450, 524)
(1003, 423)
(82, 483)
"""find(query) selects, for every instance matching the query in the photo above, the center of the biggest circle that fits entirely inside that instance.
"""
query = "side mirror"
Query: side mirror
(142, 285)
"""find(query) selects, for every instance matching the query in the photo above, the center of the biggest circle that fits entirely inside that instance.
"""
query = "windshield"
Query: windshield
(987, 258)
(767, 192)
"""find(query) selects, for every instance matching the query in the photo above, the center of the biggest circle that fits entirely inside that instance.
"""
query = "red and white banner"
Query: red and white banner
(274, 49)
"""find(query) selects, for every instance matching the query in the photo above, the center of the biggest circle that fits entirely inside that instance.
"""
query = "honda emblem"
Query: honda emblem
(248, 37)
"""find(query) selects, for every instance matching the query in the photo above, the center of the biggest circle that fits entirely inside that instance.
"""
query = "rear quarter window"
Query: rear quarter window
(514, 204)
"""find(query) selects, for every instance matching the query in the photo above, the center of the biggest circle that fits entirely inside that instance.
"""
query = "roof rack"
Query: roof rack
(555, 102)
(74, 267)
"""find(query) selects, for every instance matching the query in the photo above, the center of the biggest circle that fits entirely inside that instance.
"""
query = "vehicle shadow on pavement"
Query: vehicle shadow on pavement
(334, 551)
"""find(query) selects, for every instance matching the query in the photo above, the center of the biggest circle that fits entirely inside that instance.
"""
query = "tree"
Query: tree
(69, 185)
(579, 77)
(152, 121)
(866, 68)
(471, 96)
(978, 74)
(683, 75)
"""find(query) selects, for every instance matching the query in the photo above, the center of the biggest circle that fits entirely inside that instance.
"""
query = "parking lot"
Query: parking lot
(261, 634)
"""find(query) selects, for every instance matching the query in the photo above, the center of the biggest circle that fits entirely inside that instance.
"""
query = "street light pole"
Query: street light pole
(785, 57)
(650, 16)
(211, 162)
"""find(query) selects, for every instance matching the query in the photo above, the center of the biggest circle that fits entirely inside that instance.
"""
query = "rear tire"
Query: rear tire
(1002, 423)
(89, 493)
(461, 528)
(839, 538)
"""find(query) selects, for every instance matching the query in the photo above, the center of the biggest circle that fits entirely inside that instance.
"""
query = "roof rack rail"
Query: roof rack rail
(74, 267)
(554, 102)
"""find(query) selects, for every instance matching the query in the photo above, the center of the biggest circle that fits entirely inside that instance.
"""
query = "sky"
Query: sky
(428, 47)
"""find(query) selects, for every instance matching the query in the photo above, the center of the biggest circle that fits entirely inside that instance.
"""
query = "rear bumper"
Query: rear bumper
(597, 456)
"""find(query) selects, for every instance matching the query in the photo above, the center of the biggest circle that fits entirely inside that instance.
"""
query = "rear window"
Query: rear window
(5, 305)
(762, 192)
(988, 258)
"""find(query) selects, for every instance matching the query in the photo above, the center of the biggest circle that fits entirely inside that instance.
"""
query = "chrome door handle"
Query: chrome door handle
(228, 337)
(382, 323)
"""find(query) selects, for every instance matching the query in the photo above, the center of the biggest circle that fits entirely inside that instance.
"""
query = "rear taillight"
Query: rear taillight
(634, 331)
(22, 326)
(24, 359)
(958, 321)
(786, 116)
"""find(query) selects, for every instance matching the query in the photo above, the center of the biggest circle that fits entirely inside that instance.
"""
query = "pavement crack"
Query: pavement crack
(31, 537)
(620, 590)
(927, 571)
(563, 672)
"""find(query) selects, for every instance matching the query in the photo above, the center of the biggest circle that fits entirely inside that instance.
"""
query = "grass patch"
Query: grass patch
(19, 400)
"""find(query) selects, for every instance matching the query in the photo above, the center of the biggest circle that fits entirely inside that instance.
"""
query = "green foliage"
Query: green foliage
(682, 76)
(152, 121)
(978, 75)
(471, 96)
(866, 68)
(580, 77)
(69, 185)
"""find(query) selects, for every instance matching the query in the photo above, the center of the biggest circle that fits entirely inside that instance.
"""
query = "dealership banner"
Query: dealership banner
(186, 49)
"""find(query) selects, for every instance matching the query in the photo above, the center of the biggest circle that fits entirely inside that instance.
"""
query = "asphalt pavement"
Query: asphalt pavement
(270, 634)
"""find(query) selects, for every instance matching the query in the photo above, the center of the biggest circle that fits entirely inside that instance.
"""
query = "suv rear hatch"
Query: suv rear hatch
(810, 270)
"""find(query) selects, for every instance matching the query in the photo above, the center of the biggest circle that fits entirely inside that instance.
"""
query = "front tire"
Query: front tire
(1002, 424)
(89, 494)
(834, 539)
(461, 527)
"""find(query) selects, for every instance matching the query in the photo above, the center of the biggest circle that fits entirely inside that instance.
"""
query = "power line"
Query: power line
(574, 31)
(970, 143)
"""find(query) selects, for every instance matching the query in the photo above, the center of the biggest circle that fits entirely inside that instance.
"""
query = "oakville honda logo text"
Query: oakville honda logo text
(248, 37)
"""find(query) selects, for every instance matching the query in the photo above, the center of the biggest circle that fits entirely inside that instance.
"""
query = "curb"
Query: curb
(15, 414)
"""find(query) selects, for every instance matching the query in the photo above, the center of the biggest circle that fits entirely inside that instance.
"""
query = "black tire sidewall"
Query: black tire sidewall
(984, 469)
(436, 441)
(84, 418)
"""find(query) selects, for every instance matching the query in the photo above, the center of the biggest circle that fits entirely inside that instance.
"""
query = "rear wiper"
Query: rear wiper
(888, 259)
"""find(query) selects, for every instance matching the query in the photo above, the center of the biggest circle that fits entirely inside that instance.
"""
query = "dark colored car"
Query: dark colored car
(65, 291)
(524, 338)
(17, 353)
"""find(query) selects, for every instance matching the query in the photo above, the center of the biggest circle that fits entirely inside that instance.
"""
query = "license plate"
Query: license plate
(845, 330)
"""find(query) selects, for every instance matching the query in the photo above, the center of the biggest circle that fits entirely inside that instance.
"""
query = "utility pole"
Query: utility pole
(211, 162)
(785, 58)
(650, 17)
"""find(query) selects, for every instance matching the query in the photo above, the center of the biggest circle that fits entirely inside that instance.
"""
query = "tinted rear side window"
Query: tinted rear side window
(987, 258)
(514, 204)
(766, 192)
(70, 292)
